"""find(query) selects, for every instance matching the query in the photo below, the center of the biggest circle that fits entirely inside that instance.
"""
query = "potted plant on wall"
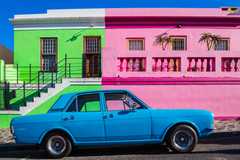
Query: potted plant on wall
(210, 39)
(163, 40)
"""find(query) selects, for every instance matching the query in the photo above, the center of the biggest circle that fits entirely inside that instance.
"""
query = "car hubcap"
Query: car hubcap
(182, 140)
(56, 145)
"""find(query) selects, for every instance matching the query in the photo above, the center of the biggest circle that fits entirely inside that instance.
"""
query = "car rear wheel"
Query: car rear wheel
(182, 139)
(58, 145)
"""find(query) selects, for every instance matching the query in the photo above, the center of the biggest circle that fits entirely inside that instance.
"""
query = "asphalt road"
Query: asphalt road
(217, 147)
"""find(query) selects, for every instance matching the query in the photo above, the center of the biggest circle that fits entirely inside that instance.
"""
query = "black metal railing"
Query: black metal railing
(5, 95)
(30, 81)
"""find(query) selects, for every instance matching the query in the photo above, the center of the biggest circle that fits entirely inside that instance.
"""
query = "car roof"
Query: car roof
(65, 98)
(94, 91)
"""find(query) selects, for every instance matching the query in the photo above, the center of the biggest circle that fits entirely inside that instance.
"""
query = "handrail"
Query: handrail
(32, 80)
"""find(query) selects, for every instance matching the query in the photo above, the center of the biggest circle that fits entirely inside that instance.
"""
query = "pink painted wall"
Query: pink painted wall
(217, 12)
(116, 46)
(222, 100)
(214, 94)
(120, 26)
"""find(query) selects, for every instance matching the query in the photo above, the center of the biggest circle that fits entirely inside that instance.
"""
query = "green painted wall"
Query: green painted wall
(5, 120)
(70, 42)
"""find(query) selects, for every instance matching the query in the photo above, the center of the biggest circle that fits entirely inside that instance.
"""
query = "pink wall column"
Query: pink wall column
(222, 100)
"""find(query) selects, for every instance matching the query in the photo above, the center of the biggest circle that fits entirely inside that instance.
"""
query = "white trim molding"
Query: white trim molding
(61, 19)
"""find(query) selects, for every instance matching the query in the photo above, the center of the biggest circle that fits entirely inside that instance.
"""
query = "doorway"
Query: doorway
(92, 57)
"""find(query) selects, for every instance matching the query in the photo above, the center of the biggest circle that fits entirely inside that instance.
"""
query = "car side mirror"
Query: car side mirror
(132, 107)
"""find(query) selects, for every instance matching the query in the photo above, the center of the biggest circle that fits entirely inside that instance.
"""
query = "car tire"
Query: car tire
(182, 139)
(58, 145)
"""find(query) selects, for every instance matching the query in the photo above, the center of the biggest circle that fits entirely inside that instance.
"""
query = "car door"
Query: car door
(84, 119)
(123, 123)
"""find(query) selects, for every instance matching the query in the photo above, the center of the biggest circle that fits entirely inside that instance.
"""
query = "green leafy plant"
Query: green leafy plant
(210, 39)
(163, 40)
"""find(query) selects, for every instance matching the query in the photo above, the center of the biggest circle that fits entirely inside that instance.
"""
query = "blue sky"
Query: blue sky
(11, 7)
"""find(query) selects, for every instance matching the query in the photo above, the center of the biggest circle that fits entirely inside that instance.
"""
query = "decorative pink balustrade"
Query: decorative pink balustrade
(130, 64)
(230, 64)
(178, 66)
(166, 64)
(201, 64)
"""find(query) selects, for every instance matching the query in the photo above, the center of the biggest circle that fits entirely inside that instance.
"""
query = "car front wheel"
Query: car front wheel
(58, 145)
(182, 138)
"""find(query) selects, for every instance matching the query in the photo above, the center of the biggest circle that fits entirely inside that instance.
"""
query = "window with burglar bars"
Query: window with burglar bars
(179, 43)
(136, 44)
(222, 45)
(48, 54)
(92, 45)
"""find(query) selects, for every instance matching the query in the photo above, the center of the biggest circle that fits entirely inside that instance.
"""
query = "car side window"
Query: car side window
(119, 102)
(73, 106)
(88, 103)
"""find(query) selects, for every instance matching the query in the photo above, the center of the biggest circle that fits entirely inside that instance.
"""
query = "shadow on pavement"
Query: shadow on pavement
(221, 151)
(222, 138)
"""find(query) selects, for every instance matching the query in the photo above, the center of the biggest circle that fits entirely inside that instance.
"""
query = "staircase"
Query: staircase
(37, 86)
(43, 97)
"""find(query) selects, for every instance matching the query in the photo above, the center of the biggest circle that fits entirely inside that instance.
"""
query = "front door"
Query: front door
(122, 123)
(92, 57)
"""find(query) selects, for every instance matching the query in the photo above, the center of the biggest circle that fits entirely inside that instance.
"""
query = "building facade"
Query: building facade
(45, 39)
(184, 73)
(171, 58)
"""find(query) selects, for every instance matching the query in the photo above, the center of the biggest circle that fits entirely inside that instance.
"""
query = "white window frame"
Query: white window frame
(137, 47)
(227, 47)
(184, 46)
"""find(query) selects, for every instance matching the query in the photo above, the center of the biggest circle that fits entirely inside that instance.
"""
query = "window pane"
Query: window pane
(119, 102)
(136, 44)
(178, 43)
(92, 45)
(72, 107)
(222, 45)
(89, 103)
(49, 46)
(48, 53)
(114, 101)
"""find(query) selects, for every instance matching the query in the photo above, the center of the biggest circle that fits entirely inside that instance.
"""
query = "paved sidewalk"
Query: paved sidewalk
(227, 126)
(221, 126)
(5, 136)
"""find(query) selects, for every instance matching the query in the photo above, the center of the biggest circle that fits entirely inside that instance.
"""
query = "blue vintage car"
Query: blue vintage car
(110, 117)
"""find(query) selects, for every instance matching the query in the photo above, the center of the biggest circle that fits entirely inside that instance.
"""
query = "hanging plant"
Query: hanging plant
(210, 39)
(163, 40)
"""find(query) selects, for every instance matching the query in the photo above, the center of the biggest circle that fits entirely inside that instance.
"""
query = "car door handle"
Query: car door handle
(104, 117)
(68, 118)
(65, 119)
